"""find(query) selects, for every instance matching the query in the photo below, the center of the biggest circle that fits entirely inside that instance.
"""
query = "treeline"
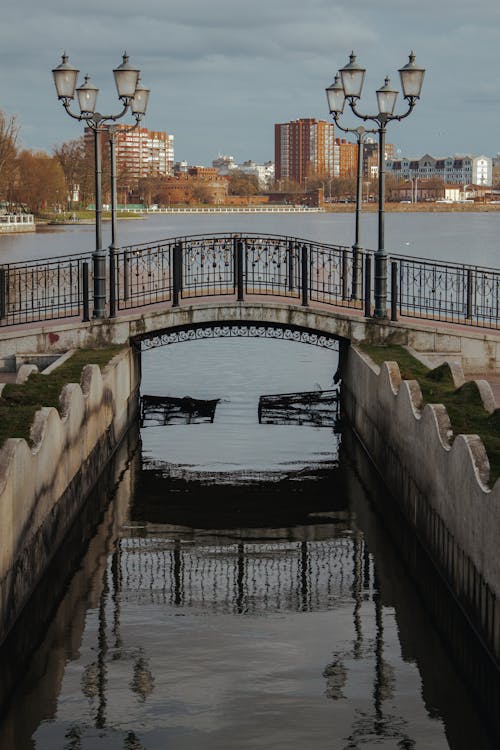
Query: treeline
(39, 182)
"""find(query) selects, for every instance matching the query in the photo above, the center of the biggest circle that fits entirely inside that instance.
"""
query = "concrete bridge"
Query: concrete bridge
(248, 285)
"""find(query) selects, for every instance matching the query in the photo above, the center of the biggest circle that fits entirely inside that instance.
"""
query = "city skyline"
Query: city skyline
(221, 74)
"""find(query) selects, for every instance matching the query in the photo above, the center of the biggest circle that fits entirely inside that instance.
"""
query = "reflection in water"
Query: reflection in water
(243, 613)
(240, 636)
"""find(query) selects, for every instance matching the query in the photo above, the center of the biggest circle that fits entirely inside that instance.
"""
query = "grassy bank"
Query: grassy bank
(464, 405)
(19, 403)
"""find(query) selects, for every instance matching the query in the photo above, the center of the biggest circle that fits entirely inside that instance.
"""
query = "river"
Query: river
(462, 237)
(237, 589)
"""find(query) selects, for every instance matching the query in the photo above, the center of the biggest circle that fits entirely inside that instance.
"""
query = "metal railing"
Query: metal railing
(450, 292)
(47, 289)
(222, 265)
(242, 266)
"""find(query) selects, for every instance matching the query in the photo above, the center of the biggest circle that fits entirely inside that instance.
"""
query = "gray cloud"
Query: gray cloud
(223, 72)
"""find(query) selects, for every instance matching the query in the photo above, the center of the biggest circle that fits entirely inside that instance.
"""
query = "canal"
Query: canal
(231, 586)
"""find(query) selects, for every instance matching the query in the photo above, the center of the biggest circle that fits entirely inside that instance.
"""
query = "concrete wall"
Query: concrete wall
(441, 485)
(43, 487)
(477, 350)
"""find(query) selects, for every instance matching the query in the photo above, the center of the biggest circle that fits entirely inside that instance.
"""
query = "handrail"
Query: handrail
(306, 271)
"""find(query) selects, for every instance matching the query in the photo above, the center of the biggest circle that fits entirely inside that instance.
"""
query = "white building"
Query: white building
(458, 169)
(263, 172)
(225, 165)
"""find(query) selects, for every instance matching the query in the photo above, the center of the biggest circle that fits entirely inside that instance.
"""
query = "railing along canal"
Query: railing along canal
(222, 265)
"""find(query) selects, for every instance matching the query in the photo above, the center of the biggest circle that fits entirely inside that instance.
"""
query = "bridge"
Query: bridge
(233, 284)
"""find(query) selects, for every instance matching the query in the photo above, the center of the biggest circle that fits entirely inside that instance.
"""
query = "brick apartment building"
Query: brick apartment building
(304, 148)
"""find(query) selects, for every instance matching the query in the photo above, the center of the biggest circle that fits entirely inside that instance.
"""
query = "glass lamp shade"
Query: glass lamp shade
(65, 76)
(139, 103)
(412, 78)
(87, 96)
(126, 79)
(353, 76)
(335, 96)
(386, 98)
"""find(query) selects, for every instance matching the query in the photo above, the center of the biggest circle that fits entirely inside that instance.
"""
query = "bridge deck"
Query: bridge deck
(52, 328)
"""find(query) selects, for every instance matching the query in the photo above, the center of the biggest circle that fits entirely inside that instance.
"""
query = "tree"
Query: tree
(241, 183)
(9, 132)
(40, 181)
(77, 163)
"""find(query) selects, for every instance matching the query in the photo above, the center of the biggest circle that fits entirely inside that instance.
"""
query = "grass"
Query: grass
(464, 405)
(19, 403)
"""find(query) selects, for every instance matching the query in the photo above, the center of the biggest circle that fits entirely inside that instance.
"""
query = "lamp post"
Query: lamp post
(133, 97)
(336, 100)
(352, 77)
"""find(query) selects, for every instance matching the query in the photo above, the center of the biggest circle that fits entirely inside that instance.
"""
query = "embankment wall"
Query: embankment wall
(43, 487)
(439, 481)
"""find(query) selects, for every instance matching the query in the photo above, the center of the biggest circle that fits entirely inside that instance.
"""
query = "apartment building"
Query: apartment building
(345, 159)
(303, 148)
(139, 152)
(461, 170)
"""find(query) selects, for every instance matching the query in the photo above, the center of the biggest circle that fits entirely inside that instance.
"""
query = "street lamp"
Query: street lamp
(336, 99)
(352, 77)
(134, 97)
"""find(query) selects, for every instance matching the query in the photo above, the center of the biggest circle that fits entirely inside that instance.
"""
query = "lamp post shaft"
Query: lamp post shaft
(357, 281)
(112, 159)
(99, 256)
(380, 291)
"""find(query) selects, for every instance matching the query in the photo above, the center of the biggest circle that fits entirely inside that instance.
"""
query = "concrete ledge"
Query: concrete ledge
(441, 484)
(477, 350)
(43, 486)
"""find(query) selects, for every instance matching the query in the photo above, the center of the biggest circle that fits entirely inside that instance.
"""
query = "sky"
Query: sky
(222, 72)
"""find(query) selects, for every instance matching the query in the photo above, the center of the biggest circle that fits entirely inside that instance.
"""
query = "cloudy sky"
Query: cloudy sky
(222, 72)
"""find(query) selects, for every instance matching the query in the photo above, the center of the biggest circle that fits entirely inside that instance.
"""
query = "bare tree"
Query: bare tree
(9, 132)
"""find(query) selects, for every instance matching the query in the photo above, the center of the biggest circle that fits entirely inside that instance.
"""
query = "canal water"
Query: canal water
(230, 585)
(236, 589)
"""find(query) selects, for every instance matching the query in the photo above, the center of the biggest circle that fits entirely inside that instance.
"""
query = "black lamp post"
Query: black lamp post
(133, 97)
(336, 100)
(352, 77)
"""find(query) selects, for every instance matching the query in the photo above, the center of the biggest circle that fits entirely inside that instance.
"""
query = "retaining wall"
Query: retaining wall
(43, 487)
(440, 484)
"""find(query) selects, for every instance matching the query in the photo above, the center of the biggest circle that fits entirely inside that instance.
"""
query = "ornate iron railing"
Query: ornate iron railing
(450, 292)
(221, 265)
(45, 290)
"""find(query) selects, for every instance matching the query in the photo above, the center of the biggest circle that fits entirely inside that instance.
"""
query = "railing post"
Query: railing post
(468, 311)
(394, 290)
(345, 285)
(368, 285)
(126, 275)
(85, 291)
(290, 265)
(239, 269)
(305, 276)
(3, 294)
(357, 274)
(112, 282)
(176, 273)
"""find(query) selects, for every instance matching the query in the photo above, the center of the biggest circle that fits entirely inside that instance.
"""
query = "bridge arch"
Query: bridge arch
(236, 329)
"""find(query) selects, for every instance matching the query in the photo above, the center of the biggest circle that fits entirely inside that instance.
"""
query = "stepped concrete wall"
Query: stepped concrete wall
(42, 487)
(439, 482)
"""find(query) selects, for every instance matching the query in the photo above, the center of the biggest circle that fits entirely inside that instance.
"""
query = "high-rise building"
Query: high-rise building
(304, 148)
(346, 158)
(139, 152)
